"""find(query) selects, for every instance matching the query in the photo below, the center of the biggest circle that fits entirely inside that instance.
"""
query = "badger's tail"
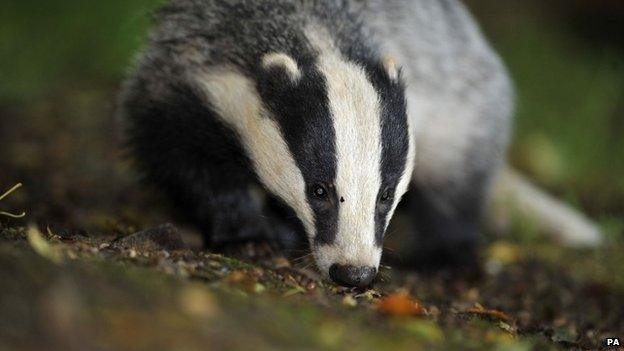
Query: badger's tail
(514, 198)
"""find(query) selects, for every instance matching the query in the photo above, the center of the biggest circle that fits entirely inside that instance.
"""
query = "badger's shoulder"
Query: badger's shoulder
(436, 41)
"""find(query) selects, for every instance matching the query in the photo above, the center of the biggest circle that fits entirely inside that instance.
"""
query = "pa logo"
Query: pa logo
(612, 342)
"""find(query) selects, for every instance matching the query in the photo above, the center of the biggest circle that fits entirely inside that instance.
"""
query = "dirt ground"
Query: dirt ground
(145, 291)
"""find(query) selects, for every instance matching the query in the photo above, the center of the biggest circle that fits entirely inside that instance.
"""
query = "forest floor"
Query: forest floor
(146, 291)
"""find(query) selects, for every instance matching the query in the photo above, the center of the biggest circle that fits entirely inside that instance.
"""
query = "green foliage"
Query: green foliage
(568, 122)
(46, 44)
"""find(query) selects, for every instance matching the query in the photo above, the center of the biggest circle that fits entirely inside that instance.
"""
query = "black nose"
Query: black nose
(352, 276)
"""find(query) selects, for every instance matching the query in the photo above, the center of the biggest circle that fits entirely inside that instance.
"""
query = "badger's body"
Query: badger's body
(289, 120)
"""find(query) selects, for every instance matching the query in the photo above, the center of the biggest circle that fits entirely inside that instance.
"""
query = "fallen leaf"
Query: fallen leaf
(281, 262)
(508, 328)
(348, 300)
(41, 246)
(482, 312)
(235, 277)
(294, 291)
(400, 304)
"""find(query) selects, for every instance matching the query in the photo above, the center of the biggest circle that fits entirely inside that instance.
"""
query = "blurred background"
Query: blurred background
(61, 64)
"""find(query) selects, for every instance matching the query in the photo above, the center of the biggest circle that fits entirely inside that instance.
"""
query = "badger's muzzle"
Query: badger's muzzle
(352, 276)
(351, 264)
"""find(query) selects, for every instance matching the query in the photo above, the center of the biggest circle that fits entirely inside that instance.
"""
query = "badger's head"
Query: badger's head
(346, 127)
(330, 137)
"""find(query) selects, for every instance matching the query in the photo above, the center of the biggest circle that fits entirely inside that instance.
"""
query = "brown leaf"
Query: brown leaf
(481, 312)
(400, 304)
(235, 277)
(245, 280)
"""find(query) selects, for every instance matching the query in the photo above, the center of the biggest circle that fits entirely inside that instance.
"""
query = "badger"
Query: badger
(306, 121)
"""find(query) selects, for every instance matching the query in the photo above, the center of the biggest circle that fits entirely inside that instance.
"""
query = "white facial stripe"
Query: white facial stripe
(355, 109)
(238, 104)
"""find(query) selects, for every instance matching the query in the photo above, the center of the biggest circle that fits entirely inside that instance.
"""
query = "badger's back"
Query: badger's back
(459, 95)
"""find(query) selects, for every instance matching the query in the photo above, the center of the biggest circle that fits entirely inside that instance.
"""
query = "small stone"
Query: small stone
(348, 300)
(281, 262)
(164, 237)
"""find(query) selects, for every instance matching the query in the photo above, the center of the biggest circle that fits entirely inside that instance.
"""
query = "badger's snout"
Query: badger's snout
(351, 275)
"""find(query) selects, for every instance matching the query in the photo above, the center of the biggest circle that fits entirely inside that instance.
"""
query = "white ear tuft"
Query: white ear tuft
(283, 61)
(390, 66)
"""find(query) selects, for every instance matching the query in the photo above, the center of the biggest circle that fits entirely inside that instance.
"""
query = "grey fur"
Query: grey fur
(460, 103)
(455, 81)
(445, 60)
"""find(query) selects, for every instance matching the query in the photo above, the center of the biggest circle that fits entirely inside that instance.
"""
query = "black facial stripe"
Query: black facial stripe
(394, 140)
(302, 111)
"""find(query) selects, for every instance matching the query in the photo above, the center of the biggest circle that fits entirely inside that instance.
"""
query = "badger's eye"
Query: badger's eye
(386, 195)
(319, 191)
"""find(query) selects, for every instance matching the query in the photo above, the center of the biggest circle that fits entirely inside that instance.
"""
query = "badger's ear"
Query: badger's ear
(282, 64)
(389, 65)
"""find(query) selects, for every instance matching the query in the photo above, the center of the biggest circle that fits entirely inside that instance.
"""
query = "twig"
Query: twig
(7, 193)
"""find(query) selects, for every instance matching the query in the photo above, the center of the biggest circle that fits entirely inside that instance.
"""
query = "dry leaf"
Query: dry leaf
(41, 246)
(481, 312)
(400, 304)
(348, 300)
(235, 277)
